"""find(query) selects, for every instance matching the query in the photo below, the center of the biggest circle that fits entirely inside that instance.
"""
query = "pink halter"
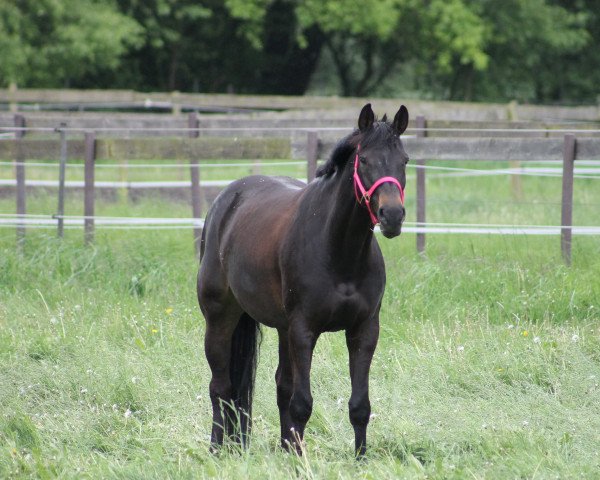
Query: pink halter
(366, 194)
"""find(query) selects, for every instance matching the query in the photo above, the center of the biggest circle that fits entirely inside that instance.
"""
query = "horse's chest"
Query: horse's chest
(344, 305)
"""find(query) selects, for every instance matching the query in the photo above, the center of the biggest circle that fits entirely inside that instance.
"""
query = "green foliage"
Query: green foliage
(251, 14)
(348, 16)
(459, 34)
(396, 31)
(525, 37)
(14, 52)
(525, 50)
(51, 42)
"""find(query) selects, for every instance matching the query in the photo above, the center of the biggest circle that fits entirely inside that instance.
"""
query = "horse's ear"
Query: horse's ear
(401, 120)
(366, 118)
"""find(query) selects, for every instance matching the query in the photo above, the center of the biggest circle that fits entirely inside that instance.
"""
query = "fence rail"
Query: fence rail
(280, 124)
(176, 102)
(211, 148)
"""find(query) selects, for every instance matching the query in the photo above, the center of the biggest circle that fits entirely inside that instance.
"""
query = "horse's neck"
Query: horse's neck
(348, 227)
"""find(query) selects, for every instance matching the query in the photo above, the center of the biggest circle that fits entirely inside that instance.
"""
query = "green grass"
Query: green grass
(488, 364)
(154, 170)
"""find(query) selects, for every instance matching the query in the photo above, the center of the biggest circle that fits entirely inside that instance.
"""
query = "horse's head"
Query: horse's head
(380, 164)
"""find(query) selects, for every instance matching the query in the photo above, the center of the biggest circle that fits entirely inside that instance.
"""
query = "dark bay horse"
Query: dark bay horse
(301, 259)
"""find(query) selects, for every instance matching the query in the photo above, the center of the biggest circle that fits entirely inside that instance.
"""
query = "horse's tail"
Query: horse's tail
(242, 370)
(203, 236)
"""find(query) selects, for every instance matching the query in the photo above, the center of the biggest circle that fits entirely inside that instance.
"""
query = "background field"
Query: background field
(488, 363)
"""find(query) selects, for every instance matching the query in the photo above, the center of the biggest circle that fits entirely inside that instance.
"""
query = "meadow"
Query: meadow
(488, 364)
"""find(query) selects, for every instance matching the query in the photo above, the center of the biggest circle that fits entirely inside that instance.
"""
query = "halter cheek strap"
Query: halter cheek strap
(366, 194)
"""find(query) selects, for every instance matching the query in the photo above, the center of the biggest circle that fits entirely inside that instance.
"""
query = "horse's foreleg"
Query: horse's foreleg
(361, 341)
(301, 345)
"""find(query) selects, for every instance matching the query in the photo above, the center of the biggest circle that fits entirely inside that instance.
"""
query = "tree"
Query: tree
(528, 46)
(286, 64)
(192, 46)
(368, 39)
(574, 76)
(51, 43)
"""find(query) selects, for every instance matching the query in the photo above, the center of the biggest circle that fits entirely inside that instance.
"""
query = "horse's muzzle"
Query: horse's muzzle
(390, 220)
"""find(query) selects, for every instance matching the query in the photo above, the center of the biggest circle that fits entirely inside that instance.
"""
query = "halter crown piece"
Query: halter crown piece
(366, 194)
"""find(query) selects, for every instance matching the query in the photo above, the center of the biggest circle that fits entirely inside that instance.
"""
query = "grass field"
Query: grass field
(488, 364)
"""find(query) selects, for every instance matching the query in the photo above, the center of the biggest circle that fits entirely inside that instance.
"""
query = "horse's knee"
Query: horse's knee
(301, 407)
(359, 410)
(284, 393)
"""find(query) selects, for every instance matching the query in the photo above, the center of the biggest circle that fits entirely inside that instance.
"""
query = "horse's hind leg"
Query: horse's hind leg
(283, 378)
(301, 344)
(221, 321)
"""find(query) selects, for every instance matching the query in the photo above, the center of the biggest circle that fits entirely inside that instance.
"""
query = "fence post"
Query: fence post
(515, 179)
(88, 193)
(566, 221)
(19, 122)
(13, 106)
(421, 133)
(175, 105)
(194, 123)
(60, 210)
(312, 151)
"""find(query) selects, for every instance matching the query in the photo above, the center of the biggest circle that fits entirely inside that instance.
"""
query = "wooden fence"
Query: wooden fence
(270, 124)
(177, 102)
(195, 149)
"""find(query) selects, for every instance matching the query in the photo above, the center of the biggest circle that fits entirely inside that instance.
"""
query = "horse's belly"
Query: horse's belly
(259, 294)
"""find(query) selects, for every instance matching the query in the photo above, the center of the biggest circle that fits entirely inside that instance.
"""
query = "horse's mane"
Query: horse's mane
(381, 132)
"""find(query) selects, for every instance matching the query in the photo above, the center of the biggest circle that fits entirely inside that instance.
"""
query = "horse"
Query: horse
(302, 259)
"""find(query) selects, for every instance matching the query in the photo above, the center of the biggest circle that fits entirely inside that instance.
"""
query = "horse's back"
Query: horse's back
(263, 198)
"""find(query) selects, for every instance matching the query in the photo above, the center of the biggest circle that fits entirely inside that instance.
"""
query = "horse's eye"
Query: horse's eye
(362, 159)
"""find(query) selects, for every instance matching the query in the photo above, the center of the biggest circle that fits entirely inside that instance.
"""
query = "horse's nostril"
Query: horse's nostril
(380, 212)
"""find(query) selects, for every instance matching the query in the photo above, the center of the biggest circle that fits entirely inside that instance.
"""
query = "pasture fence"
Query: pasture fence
(310, 145)
(177, 102)
(272, 124)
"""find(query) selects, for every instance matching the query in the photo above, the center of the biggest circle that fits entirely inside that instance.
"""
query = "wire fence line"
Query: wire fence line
(579, 172)
(116, 184)
(127, 165)
(77, 221)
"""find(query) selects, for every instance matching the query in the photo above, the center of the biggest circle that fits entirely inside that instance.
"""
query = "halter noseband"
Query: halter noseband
(366, 194)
